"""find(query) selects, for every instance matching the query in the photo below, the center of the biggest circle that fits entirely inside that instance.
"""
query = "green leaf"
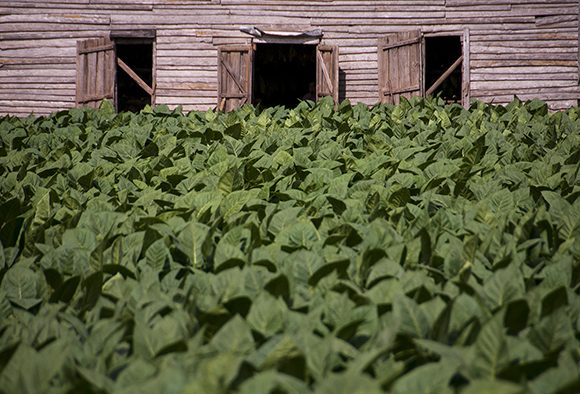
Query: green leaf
(150, 340)
(30, 371)
(564, 378)
(301, 234)
(216, 374)
(267, 314)
(190, 242)
(505, 285)
(283, 219)
(552, 331)
(493, 387)
(490, 350)
(235, 337)
(79, 238)
(5, 307)
(277, 351)
(413, 321)
(228, 256)
(137, 372)
(431, 378)
(272, 381)
(235, 201)
(385, 292)
(348, 383)
(157, 254)
(20, 286)
(231, 180)
(96, 379)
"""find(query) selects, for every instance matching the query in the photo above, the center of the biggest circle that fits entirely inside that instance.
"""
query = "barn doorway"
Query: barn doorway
(276, 73)
(134, 74)
(284, 74)
(415, 64)
(443, 71)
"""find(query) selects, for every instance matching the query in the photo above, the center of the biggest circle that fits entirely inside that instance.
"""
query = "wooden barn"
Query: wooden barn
(57, 54)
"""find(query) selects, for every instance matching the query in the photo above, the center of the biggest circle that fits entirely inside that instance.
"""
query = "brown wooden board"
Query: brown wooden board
(95, 71)
(400, 65)
(327, 71)
(235, 67)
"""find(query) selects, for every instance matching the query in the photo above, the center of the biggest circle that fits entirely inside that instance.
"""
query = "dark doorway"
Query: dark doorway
(138, 55)
(440, 54)
(284, 74)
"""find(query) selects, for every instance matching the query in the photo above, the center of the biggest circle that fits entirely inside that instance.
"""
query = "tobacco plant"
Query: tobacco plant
(418, 248)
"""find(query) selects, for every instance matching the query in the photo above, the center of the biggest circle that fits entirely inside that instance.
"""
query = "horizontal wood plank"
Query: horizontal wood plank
(516, 47)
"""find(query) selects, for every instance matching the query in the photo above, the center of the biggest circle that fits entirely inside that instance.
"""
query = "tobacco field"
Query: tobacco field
(418, 248)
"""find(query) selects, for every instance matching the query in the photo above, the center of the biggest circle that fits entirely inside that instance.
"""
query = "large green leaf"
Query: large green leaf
(412, 319)
(430, 378)
(190, 242)
(235, 336)
(491, 354)
(20, 284)
(271, 381)
(345, 383)
(267, 314)
(31, 371)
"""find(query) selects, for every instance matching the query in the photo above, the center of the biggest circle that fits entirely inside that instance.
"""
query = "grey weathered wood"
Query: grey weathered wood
(518, 41)
(400, 66)
(234, 76)
(327, 71)
(466, 77)
(95, 71)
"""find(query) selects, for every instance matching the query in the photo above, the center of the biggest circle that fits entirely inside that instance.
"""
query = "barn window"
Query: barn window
(276, 69)
(120, 68)
(413, 64)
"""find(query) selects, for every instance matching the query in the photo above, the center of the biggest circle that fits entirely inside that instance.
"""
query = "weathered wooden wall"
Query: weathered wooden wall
(523, 47)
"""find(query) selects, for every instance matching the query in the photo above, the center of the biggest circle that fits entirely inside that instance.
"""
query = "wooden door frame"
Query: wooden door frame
(316, 42)
(248, 95)
(137, 37)
(465, 67)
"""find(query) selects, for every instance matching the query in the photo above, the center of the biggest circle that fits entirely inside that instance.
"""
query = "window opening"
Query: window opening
(134, 88)
(443, 74)
(284, 74)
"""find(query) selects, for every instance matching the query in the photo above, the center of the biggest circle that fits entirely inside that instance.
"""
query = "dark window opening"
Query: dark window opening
(440, 54)
(284, 74)
(139, 57)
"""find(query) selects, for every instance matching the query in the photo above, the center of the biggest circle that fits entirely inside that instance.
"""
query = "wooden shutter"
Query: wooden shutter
(327, 71)
(400, 66)
(235, 66)
(95, 71)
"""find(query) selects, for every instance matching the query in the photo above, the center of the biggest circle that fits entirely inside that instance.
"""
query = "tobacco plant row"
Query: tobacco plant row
(419, 248)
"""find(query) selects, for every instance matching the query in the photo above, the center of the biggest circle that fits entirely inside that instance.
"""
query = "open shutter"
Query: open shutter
(327, 71)
(400, 66)
(234, 76)
(95, 71)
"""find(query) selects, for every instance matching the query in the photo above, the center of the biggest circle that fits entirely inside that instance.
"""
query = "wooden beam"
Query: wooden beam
(414, 88)
(233, 75)
(135, 77)
(100, 48)
(401, 43)
(325, 72)
(443, 77)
